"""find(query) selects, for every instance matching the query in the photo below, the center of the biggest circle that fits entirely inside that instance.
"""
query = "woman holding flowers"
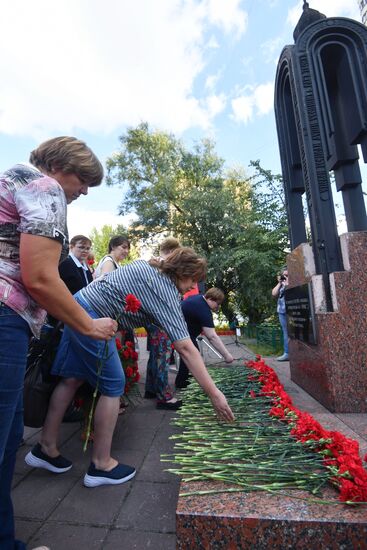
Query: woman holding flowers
(33, 236)
(157, 286)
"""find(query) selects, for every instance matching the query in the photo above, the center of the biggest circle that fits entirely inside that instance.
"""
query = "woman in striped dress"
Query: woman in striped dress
(158, 285)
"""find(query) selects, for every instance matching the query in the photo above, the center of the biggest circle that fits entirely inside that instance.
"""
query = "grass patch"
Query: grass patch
(258, 348)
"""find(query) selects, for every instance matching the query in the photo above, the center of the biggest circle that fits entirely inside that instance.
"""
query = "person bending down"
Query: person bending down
(157, 285)
(198, 315)
(156, 381)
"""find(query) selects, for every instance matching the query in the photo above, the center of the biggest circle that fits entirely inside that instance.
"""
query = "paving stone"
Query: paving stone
(356, 422)
(153, 469)
(39, 493)
(32, 435)
(73, 450)
(134, 440)
(97, 506)
(138, 540)
(128, 456)
(25, 529)
(29, 433)
(166, 430)
(152, 505)
(70, 537)
(20, 466)
(16, 480)
(141, 421)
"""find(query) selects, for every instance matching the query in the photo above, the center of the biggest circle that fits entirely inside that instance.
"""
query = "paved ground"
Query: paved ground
(58, 511)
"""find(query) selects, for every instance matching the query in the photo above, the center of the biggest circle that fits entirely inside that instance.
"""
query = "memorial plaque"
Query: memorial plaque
(300, 317)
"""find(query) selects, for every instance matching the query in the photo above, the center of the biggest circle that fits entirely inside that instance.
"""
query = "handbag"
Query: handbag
(39, 383)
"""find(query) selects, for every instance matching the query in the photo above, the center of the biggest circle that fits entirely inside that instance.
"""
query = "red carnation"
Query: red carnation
(132, 303)
(118, 344)
(129, 372)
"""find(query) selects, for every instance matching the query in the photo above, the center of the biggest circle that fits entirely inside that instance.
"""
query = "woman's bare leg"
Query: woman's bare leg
(59, 402)
(105, 418)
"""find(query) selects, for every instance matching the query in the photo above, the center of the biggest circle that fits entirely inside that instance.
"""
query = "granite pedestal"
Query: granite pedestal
(258, 520)
(334, 370)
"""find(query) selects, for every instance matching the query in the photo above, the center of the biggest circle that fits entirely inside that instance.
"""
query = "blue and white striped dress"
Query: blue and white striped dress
(159, 297)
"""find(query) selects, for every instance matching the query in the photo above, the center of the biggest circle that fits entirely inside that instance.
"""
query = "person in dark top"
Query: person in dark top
(74, 270)
(198, 312)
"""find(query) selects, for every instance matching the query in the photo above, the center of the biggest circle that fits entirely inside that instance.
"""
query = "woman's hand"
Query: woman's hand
(221, 407)
(103, 329)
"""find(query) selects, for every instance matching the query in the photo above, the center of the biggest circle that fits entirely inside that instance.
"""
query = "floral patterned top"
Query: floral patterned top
(33, 203)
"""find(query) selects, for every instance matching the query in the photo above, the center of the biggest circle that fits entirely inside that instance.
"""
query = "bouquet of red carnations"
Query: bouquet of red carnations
(129, 362)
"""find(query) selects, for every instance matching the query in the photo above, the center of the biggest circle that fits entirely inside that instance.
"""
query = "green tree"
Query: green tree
(220, 213)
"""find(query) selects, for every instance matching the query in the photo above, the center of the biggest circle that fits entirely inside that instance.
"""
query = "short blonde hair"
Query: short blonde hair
(181, 264)
(71, 156)
(169, 245)
(215, 294)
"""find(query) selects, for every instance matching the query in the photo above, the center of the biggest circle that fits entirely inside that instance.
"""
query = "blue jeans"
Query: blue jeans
(283, 323)
(79, 356)
(14, 339)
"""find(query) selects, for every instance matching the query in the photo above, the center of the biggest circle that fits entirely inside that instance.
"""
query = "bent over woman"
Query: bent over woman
(157, 284)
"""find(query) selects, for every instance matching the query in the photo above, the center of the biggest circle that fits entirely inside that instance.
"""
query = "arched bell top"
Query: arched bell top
(284, 66)
(308, 17)
(337, 28)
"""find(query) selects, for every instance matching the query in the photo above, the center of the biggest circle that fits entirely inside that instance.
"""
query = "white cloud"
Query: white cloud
(211, 81)
(81, 220)
(216, 104)
(96, 66)
(228, 15)
(212, 43)
(271, 48)
(330, 8)
(242, 108)
(257, 101)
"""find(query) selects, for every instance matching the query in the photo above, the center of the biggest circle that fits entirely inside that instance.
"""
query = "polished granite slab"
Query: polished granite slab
(334, 370)
(259, 520)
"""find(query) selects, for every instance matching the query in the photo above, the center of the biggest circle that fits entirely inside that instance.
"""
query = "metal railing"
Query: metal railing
(266, 335)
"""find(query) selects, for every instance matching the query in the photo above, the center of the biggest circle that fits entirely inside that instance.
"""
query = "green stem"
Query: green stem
(101, 361)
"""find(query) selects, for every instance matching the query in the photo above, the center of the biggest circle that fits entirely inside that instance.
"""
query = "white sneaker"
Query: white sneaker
(41, 548)
(284, 357)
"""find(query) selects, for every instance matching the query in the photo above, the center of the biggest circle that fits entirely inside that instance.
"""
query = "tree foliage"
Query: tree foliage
(237, 223)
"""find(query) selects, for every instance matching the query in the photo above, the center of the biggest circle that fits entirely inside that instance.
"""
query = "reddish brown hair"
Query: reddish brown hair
(181, 264)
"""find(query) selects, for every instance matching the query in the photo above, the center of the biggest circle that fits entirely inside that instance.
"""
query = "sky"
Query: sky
(195, 68)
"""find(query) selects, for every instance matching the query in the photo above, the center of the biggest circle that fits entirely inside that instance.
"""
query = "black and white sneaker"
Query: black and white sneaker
(118, 474)
(38, 459)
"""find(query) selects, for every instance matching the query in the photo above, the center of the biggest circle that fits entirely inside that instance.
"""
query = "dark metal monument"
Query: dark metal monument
(321, 114)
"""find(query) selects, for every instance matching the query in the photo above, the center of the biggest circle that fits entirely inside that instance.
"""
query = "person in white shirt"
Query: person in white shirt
(74, 270)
